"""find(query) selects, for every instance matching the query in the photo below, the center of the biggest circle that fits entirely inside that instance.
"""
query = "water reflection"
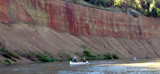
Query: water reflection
(149, 66)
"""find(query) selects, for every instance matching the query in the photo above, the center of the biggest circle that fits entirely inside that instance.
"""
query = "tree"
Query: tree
(154, 12)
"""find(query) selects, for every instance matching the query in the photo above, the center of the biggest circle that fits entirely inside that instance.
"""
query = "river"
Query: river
(123, 66)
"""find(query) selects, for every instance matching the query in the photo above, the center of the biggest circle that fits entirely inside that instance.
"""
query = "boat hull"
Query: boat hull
(78, 63)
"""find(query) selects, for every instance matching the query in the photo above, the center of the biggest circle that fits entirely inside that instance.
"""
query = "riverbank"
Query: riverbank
(14, 57)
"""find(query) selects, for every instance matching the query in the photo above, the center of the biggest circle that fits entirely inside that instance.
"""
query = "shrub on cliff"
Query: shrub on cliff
(15, 55)
(105, 3)
(115, 56)
(44, 58)
(158, 12)
(6, 61)
(108, 56)
(117, 2)
(87, 53)
(100, 57)
(146, 7)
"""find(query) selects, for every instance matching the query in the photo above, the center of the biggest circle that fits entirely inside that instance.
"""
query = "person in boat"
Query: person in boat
(84, 59)
(74, 59)
(134, 58)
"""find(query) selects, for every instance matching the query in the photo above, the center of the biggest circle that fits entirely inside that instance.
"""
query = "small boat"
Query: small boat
(78, 63)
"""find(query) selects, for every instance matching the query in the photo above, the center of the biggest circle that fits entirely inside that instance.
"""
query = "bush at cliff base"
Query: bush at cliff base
(115, 56)
(44, 58)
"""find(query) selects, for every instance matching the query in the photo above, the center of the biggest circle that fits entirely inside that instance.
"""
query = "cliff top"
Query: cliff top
(133, 7)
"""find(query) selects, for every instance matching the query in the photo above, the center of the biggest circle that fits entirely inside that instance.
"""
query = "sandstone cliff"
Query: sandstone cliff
(54, 26)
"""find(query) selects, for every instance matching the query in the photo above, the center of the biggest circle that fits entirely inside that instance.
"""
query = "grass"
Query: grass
(44, 58)
(28, 57)
(96, 58)
(87, 53)
(6, 61)
(70, 58)
(108, 56)
(66, 56)
(115, 56)
(56, 60)
(90, 56)
(15, 55)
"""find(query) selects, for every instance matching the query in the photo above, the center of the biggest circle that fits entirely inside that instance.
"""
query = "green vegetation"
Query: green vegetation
(108, 56)
(100, 57)
(148, 8)
(87, 53)
(11, 56)
(117, 2)
(15, 55)
(65, 56)
(44, 58)
(90, 56)
(145, 7)
(104, 3)
(115, 56)
(6, 61)
(70, 58)
(95, 58)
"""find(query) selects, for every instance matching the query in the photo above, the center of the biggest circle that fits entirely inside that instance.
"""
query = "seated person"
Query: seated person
(74, 59)
(84, 59)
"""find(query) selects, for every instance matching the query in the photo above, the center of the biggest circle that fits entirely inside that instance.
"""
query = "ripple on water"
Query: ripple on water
(83, 72)
(95, 67)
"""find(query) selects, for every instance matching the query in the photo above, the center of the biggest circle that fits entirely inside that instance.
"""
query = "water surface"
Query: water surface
(127, 66)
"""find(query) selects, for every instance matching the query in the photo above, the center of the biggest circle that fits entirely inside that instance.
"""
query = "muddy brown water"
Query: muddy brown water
(125, 66)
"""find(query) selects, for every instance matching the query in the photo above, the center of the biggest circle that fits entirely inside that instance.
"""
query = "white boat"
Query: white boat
(78, 63)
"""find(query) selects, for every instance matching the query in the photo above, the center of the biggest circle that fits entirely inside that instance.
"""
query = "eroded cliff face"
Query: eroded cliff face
(57, 27)
(78, 20)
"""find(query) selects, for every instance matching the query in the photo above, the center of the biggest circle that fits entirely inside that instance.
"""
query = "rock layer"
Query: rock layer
(78, 20)
(27, 24)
